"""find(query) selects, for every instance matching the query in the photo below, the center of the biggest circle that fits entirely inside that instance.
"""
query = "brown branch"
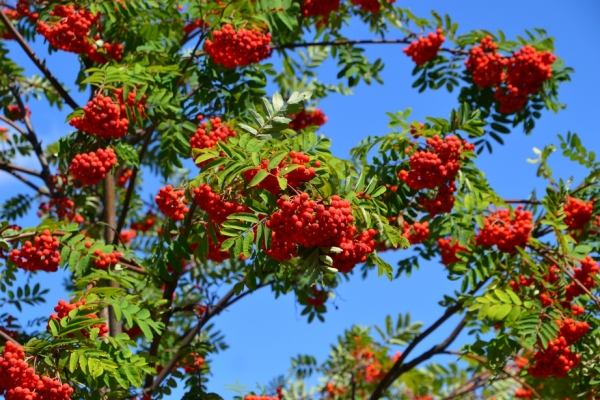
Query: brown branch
(130, 189)
(13, 124)
(358, 42)
(6, 336)
(399, 367)
(513, 201)
(470, 385)
(4, 167)
(21, 169)
(41, 65)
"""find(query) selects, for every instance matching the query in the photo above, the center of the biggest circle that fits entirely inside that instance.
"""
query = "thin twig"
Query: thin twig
(41, 65)
(21, 169)
(26, 181)
(6, 336)
(13, 124)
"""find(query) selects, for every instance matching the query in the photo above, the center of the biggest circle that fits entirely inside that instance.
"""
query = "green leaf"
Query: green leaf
(274, 162)
(258, 178)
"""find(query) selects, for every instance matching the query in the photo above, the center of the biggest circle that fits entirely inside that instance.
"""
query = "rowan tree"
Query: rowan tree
(253, 199)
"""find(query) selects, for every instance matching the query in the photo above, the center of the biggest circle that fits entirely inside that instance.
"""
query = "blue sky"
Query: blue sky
(263, 333)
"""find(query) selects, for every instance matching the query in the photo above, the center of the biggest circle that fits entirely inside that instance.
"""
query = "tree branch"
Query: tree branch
(359, 42)
(399, 368)
(5, 167)
(41, 65)
(7, 337)
(18, 168)
(13, 124)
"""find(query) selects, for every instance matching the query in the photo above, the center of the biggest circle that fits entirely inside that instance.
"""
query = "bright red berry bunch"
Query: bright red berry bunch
(192, 363)
(90, 168)
(63, 309)
(442, 202)
(127, 236)
(522, 393)
(280, 249)
(207, 136)
(105, 261)
(13, 112)
(354, 250)
(449, 248)
(370, 5)
(41, 255)
(505, 232)
(232, 48)
(527, 70)
(102, 116)
(172, 202)
(123, 176)
(69, 30)
(319, 8)
(578, 213)
(62, 208)
(217, 208)
(146, 224)
(214, 249)
(485, 64)
(18, 381)
(295, 178)
(308, 118)
(425, 48)
(437, 164)
(254, 397)
(417, 232)
(130, 102)
(558, 359)
(317, 297)
(584, 274)
(311, 223)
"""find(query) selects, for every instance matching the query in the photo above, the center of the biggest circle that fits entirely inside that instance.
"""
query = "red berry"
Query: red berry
(90, 168)
(242, 48)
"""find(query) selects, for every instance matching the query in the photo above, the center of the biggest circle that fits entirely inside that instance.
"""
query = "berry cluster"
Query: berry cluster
(69, 30)
(584, 275)
(127, 236)
(522, 393)
(123, 176)
(104, 261)
(280, 249)
(192, 363)
(558, 359)
(146, 224)
(295, 178)
(307, 118)
(310, 223)
(442, 202)
(417, 232)
(505, 232)
(214, 204)
(102, 116)
(214, 249)
(13, 112)
(22, 10)
(319, 8)
(232, 48)
(139, 106)
(426, 48)
(486, 65)
(172, 202)
(90, 168)
(354, 250)
(449, 248)
(370, 5)
(578, 213)
(42, 254)
(317, 297)
(63, 309)
(18, 381)
(207, 137)
(62, 208)
(436, 165)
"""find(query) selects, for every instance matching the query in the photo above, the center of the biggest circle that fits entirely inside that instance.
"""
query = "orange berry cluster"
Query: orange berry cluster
(417, 232)
(280, 250)
(449, 248)
(583, 274)
(307, 118)
(436, 165)
(317, 297)
(13, 112)
(425, 48)
(207, 138)
(442, 202)
(505, 232)
(232, 48)
(214, 249)
(63, 309)
(320, 8)
(172, 202)
(370, 5)
(485, 64)
(214, 204)
(103, 117)
(62, 208)
(18, 381)
(123, 176)
(90, 168)
(42, 254)
(104, 261)
(193, 363)
(146, 224)
(522, 393)
(295, 178)
(69, 30)
(578, 213)
(354, 249)
(558, 359)
(131, 96)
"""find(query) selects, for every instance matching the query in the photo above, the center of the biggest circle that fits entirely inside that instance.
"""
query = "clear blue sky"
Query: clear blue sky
(263, 332)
